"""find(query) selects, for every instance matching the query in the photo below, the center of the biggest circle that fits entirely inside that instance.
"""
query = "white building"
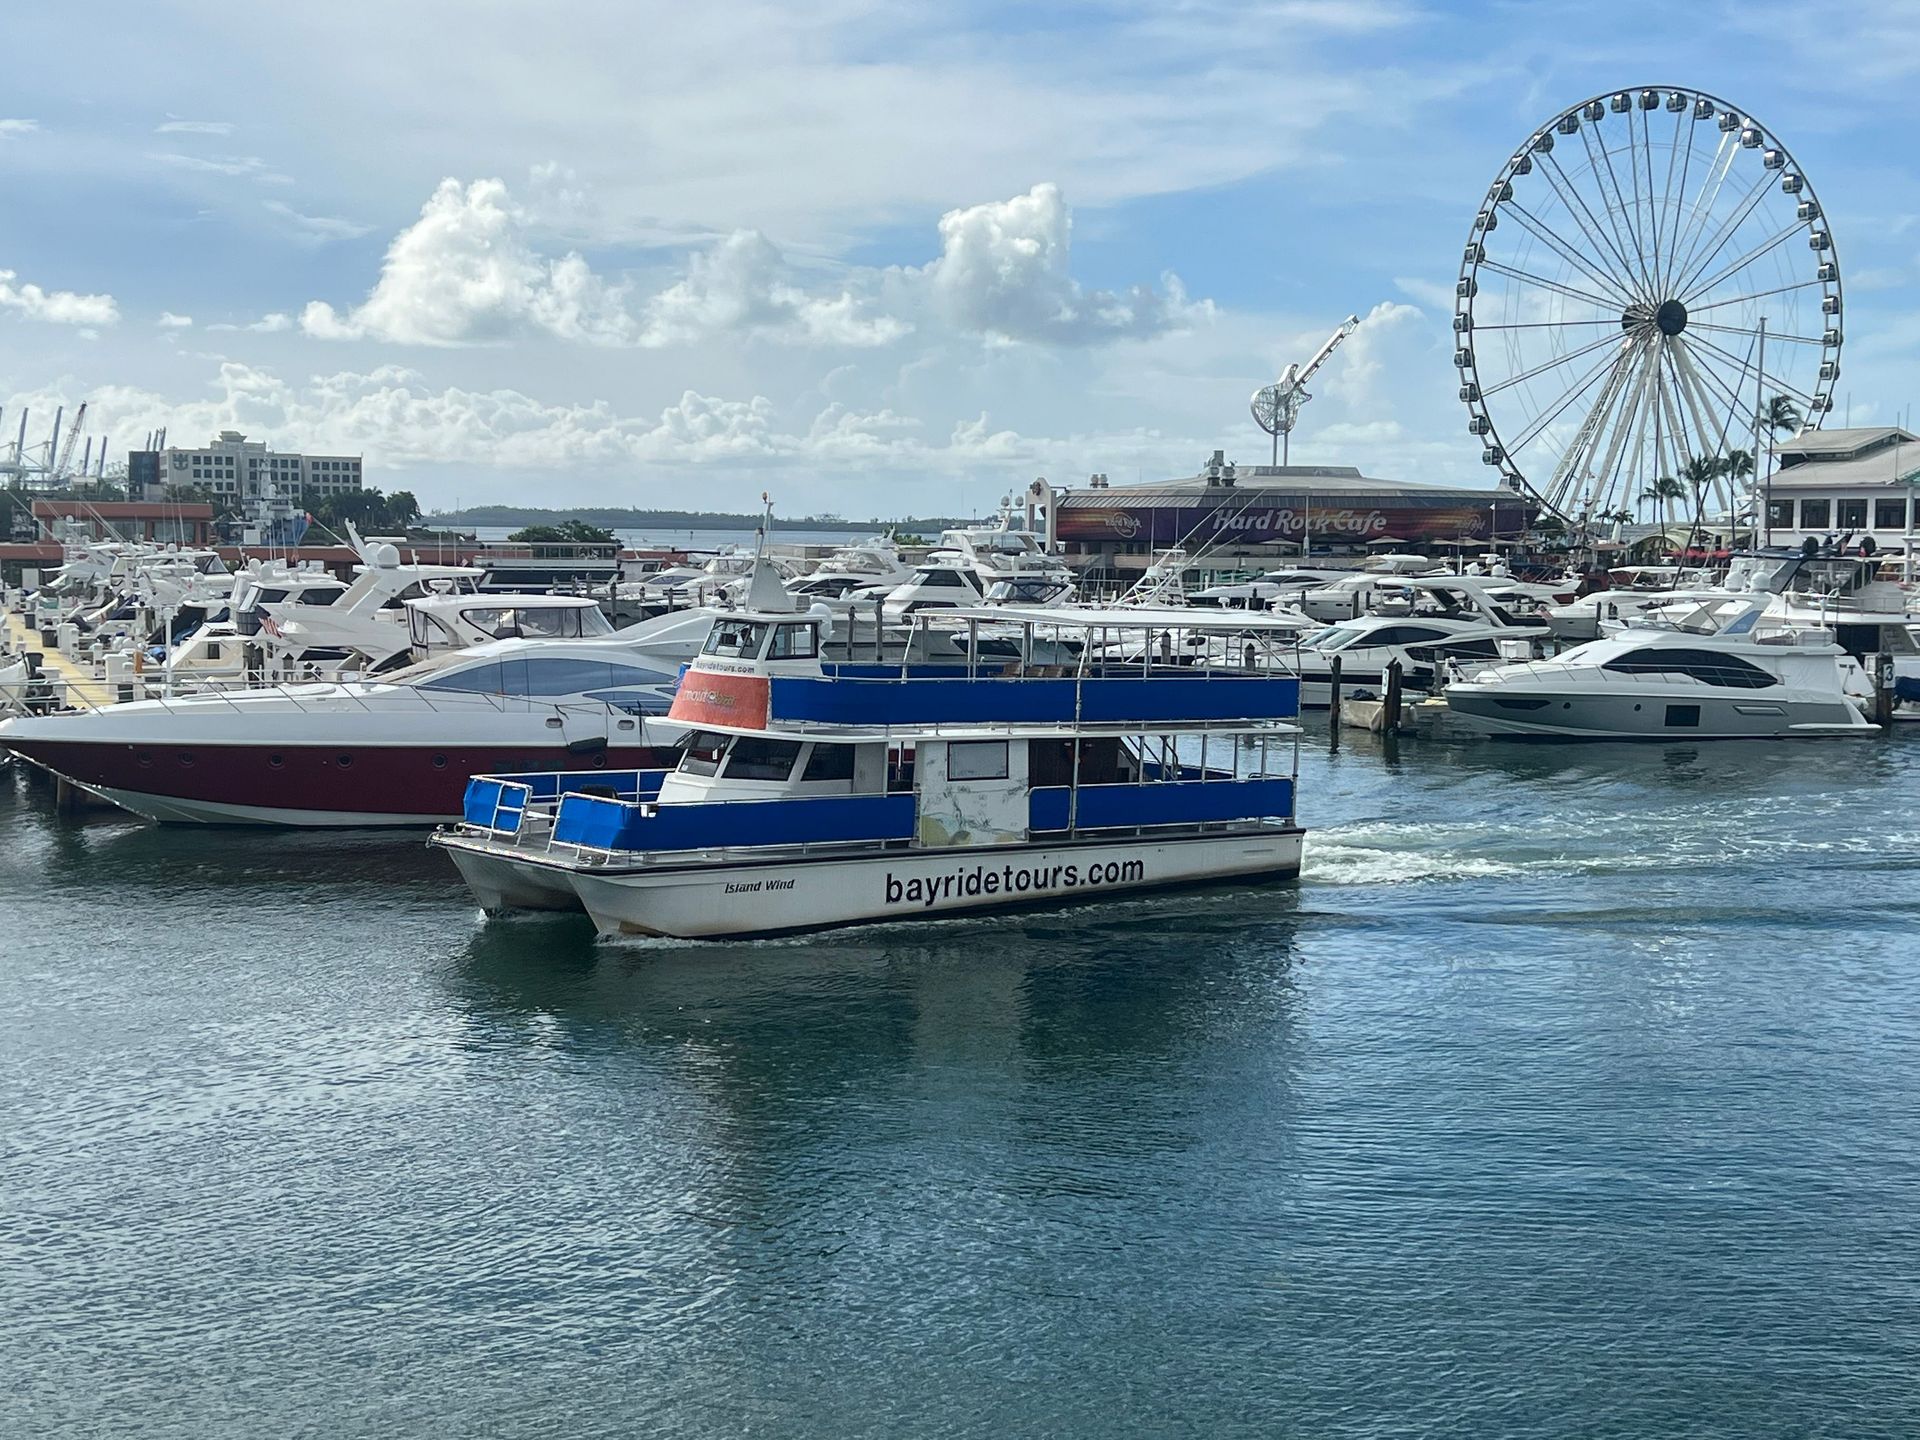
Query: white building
(1836, 482)
(236, 468)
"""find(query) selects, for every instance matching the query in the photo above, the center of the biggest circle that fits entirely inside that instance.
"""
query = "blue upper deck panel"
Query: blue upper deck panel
(1170, 696)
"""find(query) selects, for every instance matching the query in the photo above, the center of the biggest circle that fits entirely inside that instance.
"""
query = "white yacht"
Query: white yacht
(1684, 682)
(1444, 622)
(969, 562)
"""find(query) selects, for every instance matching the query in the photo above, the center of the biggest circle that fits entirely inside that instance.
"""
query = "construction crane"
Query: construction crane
(64, 465)
(1276, 407)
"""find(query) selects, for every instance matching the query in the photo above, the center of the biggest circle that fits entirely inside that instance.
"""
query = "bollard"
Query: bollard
(1882, 690)
(1390, 721)
(1333, 702)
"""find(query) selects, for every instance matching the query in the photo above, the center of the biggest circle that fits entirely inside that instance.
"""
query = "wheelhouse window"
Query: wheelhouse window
(703, 752)
(741, 639)
(977, 760)
(1890, 514)
(1816, 514)
(794, 642)
(829, 762)
(1707, 666)
(756, 758)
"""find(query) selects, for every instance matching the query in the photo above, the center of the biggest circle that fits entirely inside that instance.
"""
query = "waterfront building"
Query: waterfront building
(1255, 514)
(1836, 482)
(236, 469)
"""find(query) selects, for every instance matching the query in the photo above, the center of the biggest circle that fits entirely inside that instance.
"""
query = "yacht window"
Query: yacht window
(1331, 638)
(506, 622)
(947, 578)
(1487, 648)
(474, 679)
(319, 595)
(829, 762)
(756, 758)
(555, 676)
(735, 637)
(1403, 635)
(793, 642)
(1706, 666)
(702, 755)
(977, 760)
(1890, 514)
(1815, 514)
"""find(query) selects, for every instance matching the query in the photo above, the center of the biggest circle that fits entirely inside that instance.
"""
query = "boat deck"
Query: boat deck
(74, 683)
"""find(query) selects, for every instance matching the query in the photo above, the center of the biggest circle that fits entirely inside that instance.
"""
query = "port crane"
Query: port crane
(1276, 407)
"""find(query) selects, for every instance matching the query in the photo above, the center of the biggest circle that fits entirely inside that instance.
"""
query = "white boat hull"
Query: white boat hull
(732, 898)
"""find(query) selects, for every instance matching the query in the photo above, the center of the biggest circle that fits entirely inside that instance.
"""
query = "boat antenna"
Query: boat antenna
(766, 523)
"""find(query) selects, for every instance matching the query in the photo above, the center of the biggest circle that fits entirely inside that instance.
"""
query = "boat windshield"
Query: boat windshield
(739, 638)
(1332, 638)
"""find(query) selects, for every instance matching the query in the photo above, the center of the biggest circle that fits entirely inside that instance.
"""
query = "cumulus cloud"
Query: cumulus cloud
(741, 286)
(56, 307)
(14, 129)
(1003, 271)
(170, 321)
(465, 273)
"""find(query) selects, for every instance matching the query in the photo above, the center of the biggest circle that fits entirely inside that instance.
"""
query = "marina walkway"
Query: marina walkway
(76, 682)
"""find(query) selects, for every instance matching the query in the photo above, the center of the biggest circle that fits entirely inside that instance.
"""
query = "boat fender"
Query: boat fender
(587, 745)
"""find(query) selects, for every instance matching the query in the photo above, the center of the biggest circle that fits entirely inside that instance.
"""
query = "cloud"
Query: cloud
(233, 165)
(740, 287)
(194, 127)
(1003, 272)
(316, 228)
(266, 325)
(14, 129)
(464, 273)
(170, 321)
(56, 307)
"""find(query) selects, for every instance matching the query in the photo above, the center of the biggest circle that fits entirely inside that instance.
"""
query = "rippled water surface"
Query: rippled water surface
(1572, 1091)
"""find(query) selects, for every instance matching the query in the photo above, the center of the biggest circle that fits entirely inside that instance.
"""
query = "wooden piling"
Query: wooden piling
(1390, 722)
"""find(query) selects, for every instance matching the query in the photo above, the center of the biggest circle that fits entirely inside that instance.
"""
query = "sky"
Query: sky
(870, 259)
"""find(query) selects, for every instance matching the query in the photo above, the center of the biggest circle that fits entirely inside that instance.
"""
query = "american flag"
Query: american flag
(271, 626)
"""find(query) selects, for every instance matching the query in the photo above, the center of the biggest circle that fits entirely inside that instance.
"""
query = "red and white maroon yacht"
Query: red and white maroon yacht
(396, 751)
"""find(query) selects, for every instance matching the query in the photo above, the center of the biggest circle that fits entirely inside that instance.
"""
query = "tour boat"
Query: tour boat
(1683, 682)
(814, 795)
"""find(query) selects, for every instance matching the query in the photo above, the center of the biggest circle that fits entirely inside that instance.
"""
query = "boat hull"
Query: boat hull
(328, 786)
(736, 898)
(1740, 716)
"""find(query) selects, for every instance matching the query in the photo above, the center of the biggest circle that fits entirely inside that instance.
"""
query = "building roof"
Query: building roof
(1842, 444)
(123, 509)
(1882, 468)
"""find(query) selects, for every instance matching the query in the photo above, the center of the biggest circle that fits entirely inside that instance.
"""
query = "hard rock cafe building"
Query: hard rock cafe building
(1245, 516)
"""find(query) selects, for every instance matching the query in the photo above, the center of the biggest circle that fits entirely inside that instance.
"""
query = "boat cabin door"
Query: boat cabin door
(971, 792)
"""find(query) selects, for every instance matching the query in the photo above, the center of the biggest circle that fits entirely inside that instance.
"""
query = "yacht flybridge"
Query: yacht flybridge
(816, 795)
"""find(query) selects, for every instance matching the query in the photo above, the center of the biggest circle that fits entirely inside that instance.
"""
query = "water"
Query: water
(1571, 1092)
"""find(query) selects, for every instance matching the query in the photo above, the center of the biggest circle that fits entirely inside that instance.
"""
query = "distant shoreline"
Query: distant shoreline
(516, 516)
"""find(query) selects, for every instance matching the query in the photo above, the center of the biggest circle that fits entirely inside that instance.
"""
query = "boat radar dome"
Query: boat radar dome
(383, 555)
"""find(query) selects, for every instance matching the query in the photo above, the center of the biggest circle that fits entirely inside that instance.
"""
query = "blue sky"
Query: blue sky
(612, 253)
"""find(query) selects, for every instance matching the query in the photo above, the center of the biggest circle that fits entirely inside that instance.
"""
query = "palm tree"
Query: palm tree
(1780, 415)
(1700, 472)
(1663, 492)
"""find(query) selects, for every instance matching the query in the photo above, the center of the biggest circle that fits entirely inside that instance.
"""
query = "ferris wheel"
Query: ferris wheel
(1649, 274)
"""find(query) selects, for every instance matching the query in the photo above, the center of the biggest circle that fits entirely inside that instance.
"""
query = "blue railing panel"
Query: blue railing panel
(551, 784)
(1184, 802)
(495, 802)
(1182, 696)
(603, 824)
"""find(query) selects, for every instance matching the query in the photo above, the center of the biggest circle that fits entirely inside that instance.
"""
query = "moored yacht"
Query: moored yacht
(1684, 682)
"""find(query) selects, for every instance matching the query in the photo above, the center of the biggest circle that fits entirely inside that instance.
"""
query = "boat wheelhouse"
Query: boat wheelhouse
(816, 794)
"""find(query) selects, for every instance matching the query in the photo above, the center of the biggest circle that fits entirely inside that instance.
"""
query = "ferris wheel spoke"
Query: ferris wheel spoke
(1541, 231)
(1701, 212)
(1613, 320)
(1627, 216)
(1674, 152)
(1568, 189)
(1696, 261)
(1593, 429)
(1768, 379)
(1637, 287)
(1554, 285)
(1710, 373)
(1727, 272)
(1561, 403)
(1619, 425)
(1756, 295)
(1552, 364)
(1754, 330)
